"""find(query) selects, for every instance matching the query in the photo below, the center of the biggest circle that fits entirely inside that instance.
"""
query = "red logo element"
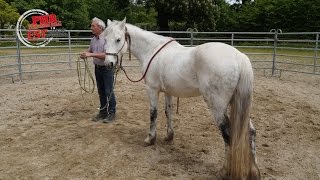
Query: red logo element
(37, 29)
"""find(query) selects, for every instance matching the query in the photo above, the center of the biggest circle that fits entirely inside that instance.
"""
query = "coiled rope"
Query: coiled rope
(85, 79)
(87, 83)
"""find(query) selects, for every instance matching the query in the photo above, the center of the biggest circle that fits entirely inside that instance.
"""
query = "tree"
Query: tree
(243, 1)
(142, 17)
(202, 15)
(110, 9)
(103, 9)
(170, 10)
(8, 14)
(71, 17)
(123, 7)
(295, 15)
(226, 20)
(288, 15)
(25, 5)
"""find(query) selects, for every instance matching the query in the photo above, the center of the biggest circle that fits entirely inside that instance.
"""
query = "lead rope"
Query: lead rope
(145, 73)
(85, 79)
(87, 84)
(115, 74)
(127, 35)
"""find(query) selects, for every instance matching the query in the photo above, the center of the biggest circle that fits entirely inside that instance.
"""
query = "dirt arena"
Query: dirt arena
(46, 132)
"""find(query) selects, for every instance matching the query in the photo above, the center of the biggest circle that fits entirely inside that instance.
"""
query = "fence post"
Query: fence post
(275, 44)
(316, 53)
(19, 57)
(191, 37)
(232, 37)
(69, 44)
(192, 30)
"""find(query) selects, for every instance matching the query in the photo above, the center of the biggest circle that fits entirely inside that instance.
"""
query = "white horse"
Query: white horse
(217, 71)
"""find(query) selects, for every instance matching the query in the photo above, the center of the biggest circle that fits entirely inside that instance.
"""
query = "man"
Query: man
(104, 75)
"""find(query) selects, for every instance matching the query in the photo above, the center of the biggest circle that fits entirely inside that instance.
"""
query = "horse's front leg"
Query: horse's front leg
(168, 111)
(153, 96)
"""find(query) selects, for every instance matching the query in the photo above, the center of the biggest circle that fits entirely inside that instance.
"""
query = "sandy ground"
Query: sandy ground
(46, 132)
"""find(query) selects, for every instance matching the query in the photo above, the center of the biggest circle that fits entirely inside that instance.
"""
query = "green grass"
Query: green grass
(47, 50)
(299, 52)
(269, 52)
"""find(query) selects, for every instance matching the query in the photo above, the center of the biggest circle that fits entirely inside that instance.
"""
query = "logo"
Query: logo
(40, 31)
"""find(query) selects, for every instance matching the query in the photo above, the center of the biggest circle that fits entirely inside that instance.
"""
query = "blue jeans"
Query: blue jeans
(104, 78)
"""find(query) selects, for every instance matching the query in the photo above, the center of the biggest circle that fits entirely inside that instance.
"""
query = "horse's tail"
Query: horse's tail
(241, 161)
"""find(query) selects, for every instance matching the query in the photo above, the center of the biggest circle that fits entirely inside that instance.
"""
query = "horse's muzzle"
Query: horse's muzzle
(111, 65)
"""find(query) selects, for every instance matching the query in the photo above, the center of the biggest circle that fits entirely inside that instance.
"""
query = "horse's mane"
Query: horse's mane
(139, 30)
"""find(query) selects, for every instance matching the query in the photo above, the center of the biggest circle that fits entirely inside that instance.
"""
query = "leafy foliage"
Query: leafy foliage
(72, 13)
(288, 15)
(205, 15)
(8, 14)
(202, 15)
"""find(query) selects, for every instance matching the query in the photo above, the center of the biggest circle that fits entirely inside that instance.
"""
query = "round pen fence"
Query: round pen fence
(275, 51)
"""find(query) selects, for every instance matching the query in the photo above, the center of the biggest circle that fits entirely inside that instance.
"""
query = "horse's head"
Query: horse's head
(116, 42)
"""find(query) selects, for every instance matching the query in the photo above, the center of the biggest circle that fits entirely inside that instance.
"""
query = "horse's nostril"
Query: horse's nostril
(111, 64)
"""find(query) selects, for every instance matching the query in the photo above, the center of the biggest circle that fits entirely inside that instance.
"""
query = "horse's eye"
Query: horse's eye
(118, 40)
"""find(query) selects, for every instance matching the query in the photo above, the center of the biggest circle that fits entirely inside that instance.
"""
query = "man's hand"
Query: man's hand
(85, 55)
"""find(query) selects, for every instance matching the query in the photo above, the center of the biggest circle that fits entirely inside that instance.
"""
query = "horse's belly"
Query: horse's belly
(180, 83)
(182, 92)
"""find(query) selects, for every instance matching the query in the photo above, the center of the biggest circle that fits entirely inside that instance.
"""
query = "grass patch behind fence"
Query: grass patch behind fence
(293, 59)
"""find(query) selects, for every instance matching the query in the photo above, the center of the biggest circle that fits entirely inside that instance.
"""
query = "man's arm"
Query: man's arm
(100, 56)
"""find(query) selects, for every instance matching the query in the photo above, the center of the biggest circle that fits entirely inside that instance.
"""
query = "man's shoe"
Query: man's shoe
(100, 116)
(110, 118)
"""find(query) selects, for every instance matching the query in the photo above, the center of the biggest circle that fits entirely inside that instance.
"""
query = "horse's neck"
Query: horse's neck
(144, 44)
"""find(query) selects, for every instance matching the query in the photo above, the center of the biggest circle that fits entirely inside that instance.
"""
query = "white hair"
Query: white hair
(99, 22)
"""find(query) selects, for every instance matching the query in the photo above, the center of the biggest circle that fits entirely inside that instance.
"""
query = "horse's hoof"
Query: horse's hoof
(169, 137)
(146, 144)
(222, 174)
(254, 173)
(149, 141)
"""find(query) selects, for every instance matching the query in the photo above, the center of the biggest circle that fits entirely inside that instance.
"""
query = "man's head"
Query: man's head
(97, 26)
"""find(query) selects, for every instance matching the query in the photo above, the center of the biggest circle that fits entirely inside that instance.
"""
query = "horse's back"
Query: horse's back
(219, 67)
(184, 71)
(219, 58)
(217, 53)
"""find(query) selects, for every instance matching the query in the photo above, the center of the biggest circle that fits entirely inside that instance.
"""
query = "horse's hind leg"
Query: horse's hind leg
(252, 139)
(254, 172)
(153, 96)
(224, 127)
(168, 111)
(218, 103)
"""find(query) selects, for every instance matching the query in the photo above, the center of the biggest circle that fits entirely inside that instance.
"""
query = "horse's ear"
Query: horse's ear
(109, 22)
(123, 23)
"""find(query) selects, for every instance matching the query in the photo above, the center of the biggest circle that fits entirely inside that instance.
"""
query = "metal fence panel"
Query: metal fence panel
(275, 51)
